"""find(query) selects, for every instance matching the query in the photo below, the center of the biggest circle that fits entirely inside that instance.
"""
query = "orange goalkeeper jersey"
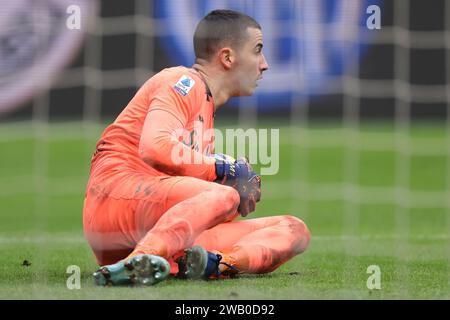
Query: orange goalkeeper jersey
(166, 129)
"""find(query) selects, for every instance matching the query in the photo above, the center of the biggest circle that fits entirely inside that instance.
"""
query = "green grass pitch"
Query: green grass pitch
(370, 196)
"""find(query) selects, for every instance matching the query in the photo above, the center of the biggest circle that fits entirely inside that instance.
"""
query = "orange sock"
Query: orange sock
(237, 265)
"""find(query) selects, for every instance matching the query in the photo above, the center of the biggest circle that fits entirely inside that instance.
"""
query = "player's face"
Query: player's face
(251, 63)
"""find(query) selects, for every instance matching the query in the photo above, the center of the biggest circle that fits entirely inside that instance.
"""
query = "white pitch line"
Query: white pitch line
(74, 239)
(382, 237)
(68, 239)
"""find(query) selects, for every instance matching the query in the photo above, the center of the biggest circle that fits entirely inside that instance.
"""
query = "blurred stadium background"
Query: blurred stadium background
(364, 136)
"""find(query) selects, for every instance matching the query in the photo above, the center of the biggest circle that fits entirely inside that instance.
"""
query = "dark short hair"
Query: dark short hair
(221, 27)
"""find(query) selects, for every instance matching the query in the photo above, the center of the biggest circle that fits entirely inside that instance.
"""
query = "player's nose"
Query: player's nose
(264, 65)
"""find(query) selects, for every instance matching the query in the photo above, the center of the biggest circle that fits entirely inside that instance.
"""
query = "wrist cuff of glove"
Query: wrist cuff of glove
(224, 167)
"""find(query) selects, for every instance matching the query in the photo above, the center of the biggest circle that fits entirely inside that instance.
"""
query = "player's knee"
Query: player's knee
(229, 197)
(300, 231)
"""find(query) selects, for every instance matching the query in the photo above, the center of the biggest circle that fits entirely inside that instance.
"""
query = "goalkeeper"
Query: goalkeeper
(146, 214)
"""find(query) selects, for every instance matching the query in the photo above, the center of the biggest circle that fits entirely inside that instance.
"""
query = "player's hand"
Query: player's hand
(250, 194)
(239, 175)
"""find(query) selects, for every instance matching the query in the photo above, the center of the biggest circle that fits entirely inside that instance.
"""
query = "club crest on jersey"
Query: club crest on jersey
(184, 85)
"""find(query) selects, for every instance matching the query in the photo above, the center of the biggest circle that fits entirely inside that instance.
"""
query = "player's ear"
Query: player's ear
(226, 57)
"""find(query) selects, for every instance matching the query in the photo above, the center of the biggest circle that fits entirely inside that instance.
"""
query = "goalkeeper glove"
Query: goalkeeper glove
(239, 175)
(230, 169)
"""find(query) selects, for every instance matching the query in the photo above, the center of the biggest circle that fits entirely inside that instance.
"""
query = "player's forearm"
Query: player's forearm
(161, 148)
(174, 158)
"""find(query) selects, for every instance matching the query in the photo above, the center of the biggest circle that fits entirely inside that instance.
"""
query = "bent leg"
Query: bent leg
(194, 206)
(258, 245)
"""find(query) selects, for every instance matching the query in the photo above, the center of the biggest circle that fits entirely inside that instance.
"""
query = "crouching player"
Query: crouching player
(146, 215)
